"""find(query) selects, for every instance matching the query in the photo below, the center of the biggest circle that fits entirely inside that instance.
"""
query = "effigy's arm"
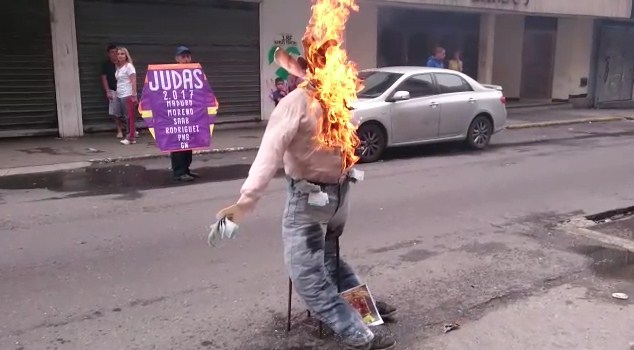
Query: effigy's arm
(280, 131)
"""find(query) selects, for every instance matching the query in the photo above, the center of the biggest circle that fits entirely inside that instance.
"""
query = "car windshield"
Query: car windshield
(376, 83)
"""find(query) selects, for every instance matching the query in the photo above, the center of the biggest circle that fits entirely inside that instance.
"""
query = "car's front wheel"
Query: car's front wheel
(373, 142)
(480, 132)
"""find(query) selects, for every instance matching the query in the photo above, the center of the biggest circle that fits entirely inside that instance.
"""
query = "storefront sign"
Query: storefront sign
(503, 2)
(178, 106)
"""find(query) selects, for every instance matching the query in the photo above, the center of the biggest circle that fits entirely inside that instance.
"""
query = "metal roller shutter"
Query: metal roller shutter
(27, 81)
(223, 35)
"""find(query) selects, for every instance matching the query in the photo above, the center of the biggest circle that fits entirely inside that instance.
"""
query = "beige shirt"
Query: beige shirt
(455, 65)
(290, 138)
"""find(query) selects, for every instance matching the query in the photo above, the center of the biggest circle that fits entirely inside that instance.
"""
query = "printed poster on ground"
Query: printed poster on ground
(361, 300)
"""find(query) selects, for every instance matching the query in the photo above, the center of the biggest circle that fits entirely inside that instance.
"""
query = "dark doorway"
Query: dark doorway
(615, 66)
(540, 40)
(408, 36)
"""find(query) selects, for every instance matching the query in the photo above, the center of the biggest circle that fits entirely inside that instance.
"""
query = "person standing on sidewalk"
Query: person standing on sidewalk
(438, 59)
(456, 62)
(126, 91)
(314, 218)
(109, 84)
(182, 160)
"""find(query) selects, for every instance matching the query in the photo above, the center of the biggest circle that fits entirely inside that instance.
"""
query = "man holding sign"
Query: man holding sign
(181, 161)
(179, 109)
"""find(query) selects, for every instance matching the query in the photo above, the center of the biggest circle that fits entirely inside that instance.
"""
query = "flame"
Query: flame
(332, 76)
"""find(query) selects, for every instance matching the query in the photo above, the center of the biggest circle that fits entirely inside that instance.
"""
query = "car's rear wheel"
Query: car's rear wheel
(373, 142)
(480, 132)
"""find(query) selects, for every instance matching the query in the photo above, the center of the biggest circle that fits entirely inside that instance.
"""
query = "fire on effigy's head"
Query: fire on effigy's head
(333, 76)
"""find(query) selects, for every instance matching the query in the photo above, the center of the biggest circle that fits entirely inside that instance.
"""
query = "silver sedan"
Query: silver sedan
(401, 106)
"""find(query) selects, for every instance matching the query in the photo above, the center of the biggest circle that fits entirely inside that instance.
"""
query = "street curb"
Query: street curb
(43, 168)
(36, 169)
(583, 227)
(567, 122)
(84, 164)
(165, 155)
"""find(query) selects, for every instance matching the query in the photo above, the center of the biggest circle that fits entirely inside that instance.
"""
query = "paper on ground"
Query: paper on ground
(361, 300)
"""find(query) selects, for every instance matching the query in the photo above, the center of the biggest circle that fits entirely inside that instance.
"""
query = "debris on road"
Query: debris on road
(620, 296)
(450, 327)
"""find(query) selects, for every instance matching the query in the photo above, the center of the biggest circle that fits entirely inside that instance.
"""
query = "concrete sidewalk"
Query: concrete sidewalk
(543, 116)
(29, 155)
(45, 154)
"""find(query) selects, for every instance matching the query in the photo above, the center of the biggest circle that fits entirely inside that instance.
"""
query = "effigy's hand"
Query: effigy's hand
(226, 226)
(234, 213)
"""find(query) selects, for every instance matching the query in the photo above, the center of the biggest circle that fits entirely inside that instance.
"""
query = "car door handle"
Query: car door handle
(472, 100)
(434, 104)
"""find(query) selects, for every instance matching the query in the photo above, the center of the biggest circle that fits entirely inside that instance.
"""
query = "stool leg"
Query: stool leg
(337, 268)
(290, 301)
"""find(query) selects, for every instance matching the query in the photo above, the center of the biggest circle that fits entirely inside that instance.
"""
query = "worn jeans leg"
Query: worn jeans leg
(131, 120)
(127, 115)
(303, 231)
(346, 277)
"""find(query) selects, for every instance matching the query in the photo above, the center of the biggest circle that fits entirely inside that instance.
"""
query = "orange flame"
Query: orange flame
(333, 76)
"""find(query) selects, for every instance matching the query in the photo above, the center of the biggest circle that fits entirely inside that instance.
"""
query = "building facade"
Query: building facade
(540, 50)
(51, 51)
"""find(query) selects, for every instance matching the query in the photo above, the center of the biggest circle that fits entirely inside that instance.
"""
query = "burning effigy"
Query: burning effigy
(310, 131)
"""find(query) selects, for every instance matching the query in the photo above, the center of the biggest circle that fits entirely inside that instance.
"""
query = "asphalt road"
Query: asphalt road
(115, 257)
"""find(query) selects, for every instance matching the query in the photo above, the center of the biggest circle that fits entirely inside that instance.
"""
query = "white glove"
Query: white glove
(223, 228)
(227, 224)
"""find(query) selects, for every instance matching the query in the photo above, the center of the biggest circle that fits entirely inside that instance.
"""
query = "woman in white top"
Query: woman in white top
(126, 91)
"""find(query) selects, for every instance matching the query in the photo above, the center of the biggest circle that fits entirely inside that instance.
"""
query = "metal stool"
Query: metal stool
(290, 293)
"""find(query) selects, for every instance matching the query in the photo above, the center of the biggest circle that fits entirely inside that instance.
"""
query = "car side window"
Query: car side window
(418, 86)
(451, 83)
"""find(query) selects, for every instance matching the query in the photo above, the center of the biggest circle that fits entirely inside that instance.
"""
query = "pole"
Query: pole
(337, 269)
(290, 301)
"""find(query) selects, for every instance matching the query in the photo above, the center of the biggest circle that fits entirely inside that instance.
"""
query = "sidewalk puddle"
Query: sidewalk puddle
(608, 262)
(117, 179)
(41, 150)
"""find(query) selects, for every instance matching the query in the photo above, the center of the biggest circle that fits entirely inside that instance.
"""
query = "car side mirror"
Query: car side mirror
(401, 96)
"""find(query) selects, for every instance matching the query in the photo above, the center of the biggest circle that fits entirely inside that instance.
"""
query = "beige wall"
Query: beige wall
(572, 56)
(573, 53)
(66, 68)
(487, 48)
(509, 41)
(598, 8)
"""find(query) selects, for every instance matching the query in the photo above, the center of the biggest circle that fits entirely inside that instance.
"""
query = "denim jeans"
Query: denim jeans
(310, 234)
(123, 109)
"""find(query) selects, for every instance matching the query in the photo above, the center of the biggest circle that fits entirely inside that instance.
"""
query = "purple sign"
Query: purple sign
(178, 106)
